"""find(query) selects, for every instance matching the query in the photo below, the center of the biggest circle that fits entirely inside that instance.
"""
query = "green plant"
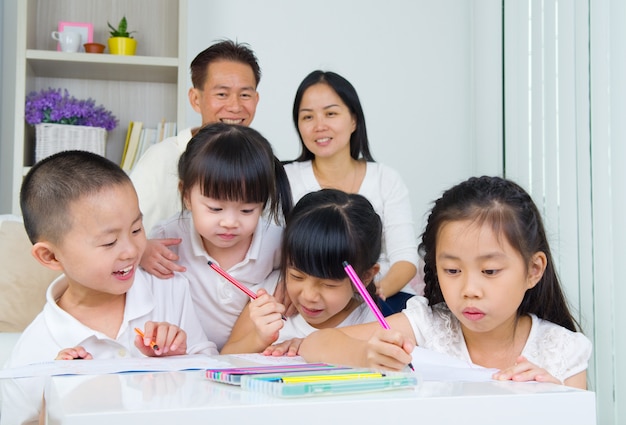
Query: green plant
(121, 30)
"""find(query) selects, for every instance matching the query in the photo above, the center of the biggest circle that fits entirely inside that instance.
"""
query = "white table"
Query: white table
(188, 398)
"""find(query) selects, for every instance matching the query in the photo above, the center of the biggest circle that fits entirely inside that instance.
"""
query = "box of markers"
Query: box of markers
(326, 382)
(233, 375)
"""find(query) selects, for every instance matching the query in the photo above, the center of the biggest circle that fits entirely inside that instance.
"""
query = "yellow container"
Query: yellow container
(122, 46)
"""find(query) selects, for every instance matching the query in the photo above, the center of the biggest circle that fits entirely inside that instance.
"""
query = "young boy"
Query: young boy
(82, 215)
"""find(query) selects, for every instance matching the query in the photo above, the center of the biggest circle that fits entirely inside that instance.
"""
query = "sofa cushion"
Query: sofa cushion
(23, 280)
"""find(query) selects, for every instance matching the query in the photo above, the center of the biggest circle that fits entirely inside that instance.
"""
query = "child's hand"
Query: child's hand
(287, 348)
(170, 340)
(266, 313)
(389, 350)
(158, 260)
(74, 353)
(523, 370)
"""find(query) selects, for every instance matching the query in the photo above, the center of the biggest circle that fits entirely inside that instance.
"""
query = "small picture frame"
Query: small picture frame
(85, 29)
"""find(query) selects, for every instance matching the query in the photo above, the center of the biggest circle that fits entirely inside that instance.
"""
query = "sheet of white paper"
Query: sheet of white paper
(260, 358)
(434, 366)
(98, 367)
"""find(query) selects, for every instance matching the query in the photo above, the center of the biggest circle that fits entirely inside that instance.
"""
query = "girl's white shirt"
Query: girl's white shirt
(218, 302)
(561, 352)
(297, 327)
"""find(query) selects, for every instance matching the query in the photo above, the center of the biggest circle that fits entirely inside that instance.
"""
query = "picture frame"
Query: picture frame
(85, 29)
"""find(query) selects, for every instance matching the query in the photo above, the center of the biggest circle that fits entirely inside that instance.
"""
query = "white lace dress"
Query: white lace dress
(561, 352)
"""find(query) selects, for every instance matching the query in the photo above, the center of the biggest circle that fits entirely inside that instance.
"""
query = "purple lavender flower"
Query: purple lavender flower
(55, 106)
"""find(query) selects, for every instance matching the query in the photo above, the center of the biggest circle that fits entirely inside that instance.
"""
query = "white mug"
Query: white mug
(70, 41)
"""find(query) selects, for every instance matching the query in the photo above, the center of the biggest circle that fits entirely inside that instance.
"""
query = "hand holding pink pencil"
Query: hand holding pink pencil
(367, 297)
(234, 281)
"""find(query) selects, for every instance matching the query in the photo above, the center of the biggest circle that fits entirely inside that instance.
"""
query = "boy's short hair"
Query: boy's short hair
(53, 183)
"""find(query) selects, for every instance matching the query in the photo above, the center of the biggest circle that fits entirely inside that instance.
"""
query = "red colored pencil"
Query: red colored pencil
(232, 280)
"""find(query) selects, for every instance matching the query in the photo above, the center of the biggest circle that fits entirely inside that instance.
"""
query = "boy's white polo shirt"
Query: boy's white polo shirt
(148, 299)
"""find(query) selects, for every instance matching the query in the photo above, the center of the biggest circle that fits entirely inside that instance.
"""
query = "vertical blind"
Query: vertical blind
(565, 142)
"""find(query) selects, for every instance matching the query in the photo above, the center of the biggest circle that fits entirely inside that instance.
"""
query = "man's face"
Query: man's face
(229, 94)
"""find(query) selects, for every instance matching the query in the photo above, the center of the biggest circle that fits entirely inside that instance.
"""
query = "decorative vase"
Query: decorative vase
(122, 46)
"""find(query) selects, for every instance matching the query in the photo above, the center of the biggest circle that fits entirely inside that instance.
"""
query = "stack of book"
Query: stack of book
(140, 138)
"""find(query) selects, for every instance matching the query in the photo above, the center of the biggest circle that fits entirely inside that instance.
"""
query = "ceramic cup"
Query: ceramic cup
(69, 41)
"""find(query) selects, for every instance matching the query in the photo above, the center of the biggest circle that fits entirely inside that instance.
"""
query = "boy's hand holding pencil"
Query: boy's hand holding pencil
(161, 339)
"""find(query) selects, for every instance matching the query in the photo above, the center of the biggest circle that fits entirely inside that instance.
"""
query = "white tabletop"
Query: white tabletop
(189, 398)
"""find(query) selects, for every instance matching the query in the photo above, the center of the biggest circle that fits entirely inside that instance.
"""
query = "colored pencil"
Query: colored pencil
(234, 281)
(152, 343)
(367, 297)
(333, 377)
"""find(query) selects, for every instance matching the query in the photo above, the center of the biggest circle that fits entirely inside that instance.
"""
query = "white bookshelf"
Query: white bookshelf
(147, 87)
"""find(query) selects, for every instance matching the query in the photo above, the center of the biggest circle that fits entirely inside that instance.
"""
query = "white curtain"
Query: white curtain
(565, 125)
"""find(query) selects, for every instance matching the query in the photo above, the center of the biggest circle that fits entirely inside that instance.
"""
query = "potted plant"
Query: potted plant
(63, 122)
(121, 41)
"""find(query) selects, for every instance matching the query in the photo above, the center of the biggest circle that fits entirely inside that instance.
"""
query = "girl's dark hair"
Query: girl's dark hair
(359, 144)
(511, 212)
(328, 227)
(235, 163)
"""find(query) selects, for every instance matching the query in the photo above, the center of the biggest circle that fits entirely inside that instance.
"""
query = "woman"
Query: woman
(335, 154)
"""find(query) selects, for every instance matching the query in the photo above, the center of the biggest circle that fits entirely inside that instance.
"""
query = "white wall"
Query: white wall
(416, 65)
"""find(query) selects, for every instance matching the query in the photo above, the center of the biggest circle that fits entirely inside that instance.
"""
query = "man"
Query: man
(225, 77)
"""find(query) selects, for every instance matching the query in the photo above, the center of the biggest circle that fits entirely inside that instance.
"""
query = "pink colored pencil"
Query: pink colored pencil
(367, 297)
(232, 280)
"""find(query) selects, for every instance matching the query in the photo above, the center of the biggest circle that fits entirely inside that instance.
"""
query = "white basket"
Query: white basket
(53, 138)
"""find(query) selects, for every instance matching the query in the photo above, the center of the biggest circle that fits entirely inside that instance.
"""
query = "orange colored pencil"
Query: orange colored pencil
(152, 343)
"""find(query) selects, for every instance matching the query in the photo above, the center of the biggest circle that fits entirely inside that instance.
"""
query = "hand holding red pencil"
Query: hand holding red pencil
(235, 282)
(161, 339)
(266, 314)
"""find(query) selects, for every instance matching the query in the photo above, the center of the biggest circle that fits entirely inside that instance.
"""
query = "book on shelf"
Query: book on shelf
(140, 138)
(130, 152)
(148, 138)
(130, 129)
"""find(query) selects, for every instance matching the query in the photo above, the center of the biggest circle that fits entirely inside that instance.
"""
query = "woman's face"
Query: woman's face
(325, 122)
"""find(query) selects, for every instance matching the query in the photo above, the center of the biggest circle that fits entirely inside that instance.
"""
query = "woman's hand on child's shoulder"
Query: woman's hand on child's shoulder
(523, 371)
(287, 348)
(159, 260)
(162, 339)
(74, 353)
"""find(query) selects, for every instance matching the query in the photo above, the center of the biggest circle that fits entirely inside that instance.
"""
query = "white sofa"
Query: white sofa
(23, 283)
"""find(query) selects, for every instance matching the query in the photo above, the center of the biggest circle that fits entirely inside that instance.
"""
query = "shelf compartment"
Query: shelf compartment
(53, 64)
